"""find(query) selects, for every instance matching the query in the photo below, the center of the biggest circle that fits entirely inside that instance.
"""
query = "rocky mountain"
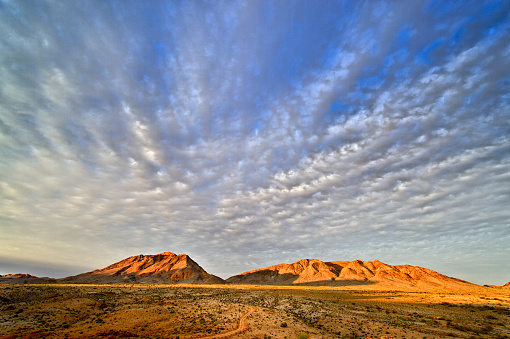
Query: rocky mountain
(22, 278)
(163, 268)
(337, 273)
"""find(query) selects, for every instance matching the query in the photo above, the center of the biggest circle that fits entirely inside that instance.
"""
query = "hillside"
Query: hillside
(342, 273)
(163, 268)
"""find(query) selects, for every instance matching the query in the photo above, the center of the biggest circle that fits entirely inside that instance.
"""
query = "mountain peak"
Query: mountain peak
(168, 253)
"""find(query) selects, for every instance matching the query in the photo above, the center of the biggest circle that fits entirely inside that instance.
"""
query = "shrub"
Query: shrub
(283, 325)
(303, 335)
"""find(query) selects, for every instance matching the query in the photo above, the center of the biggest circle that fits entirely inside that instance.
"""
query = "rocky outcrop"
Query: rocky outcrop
(357, 272)
(163, 268)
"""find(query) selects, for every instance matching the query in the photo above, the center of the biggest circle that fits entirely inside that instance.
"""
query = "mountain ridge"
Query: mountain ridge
(344, 273)
(170, 268)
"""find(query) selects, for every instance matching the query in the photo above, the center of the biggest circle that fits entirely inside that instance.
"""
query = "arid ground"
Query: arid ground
(241, 311)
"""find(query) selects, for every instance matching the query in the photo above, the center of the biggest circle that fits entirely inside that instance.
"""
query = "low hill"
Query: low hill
(342, 273)
(23, 278)
(163, 268)
(507, 285)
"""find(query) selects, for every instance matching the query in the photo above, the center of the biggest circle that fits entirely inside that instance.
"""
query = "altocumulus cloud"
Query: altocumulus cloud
(251, 133)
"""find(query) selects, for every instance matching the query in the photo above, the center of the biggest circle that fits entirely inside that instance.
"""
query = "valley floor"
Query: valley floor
(242, 311)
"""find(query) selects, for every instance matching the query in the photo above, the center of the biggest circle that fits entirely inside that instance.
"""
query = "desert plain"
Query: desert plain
(250, 311)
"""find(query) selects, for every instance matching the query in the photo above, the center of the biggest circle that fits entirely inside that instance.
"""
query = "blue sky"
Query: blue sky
(250, 133)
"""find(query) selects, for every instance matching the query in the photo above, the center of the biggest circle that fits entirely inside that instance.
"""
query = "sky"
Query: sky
(252, 133)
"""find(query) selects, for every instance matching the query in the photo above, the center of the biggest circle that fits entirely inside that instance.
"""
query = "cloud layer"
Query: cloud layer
(251, 133)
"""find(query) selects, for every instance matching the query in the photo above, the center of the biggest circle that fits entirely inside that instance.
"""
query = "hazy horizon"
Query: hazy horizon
(251, 133)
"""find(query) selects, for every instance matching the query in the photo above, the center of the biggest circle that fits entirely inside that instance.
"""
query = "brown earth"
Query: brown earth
(344, 273)
(193, 311)
(163, 268)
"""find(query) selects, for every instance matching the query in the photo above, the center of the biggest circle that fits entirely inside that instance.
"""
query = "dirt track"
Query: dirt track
(243, 326)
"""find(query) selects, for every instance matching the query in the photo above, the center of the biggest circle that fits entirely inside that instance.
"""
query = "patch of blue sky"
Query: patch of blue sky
(359, 98)
(440, 8)
(374, 82)
(257, 127)
(493, 10)
(340, 107)
(337, 115)
(402, 73)
(393, 61)
(459, 33)
(406, 32)
(426, 54)
(504, 84)
(495, 13)
(160, 48)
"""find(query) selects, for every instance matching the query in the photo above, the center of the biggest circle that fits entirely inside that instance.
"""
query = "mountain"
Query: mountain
(341, 273)
(22, 278)
(163, 268)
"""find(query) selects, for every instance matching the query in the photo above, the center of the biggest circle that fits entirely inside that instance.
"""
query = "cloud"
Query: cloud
(246, 134)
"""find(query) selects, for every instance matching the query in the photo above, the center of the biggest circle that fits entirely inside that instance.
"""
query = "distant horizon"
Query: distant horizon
(228, 275)
(248, 133)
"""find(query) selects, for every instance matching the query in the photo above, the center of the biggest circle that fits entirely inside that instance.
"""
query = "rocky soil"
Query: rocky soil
(194, 311)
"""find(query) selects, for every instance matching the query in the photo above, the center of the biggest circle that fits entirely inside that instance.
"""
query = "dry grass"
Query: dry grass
(191, 311)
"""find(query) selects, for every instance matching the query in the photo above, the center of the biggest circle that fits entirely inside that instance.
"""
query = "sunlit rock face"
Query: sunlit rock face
(163, 268)
(357, 272)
